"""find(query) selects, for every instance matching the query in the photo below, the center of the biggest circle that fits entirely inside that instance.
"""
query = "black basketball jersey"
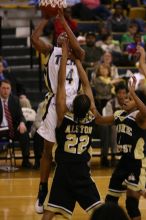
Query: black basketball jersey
(131, 139)
(74, 139)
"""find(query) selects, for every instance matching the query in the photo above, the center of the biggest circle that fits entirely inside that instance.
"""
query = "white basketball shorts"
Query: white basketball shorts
(48, 125)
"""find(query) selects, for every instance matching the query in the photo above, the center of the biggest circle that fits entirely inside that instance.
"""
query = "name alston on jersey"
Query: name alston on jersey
(83, 129)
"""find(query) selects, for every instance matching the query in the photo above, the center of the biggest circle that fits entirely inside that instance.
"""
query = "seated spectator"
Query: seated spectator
(109, 211)
(131, 48)
(109, 132)
(90, 10)
(102, 86)
(17, 88)
(92, 53)
(108, 44)
(38, 140)
(128, 37)
(11, 116)
(107, 60)
(118, 22)
(55, 25)
(103, 30)
(28, 113)
(4, 61)
(81, 39)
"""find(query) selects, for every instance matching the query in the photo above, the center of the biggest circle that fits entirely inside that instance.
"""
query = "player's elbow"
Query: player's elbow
(33, 39)
(80, 54)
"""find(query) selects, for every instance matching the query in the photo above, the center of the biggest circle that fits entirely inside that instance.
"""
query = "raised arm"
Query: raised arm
(142, 60)
(39, 44)
(78, 51)
(87, 89)
(61, 107)
(140, 105)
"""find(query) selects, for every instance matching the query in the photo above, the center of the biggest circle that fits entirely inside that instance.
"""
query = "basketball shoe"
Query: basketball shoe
(43, 190)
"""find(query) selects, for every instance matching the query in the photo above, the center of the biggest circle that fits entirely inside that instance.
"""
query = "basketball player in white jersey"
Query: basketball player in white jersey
(48, 125)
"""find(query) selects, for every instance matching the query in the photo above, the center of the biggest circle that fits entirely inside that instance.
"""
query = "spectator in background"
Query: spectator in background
(133, 30)
(109, 211)
(90, 10)
(108, 44)
(131, 48)
(4, 61)
(102, 86)
(109, 131)
(107, 60)
(34, 2)
(28, 113)
(92, 53)
(72, 2)
(56, 25)
(11, 116)
(118, 22)
(17, 88)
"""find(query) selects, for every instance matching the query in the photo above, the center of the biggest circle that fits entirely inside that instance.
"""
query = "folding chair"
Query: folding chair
(7, 151)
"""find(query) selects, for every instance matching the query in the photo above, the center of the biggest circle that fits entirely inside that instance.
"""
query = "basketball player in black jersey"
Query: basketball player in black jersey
(72, 181)
(130, 173)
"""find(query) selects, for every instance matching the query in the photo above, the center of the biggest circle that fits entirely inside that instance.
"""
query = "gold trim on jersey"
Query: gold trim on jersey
(89, 117)
(46, 78)
(94, 206)
(144, 162)
(59, 209)
(48, 99)
(137, 186)
(116, 193)
(118, 113)
(139, 149)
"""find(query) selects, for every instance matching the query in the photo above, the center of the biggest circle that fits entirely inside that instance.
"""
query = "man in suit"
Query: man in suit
(11, 116)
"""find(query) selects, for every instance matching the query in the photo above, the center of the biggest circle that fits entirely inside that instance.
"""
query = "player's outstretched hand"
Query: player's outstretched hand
(140, 50)
(132, 84)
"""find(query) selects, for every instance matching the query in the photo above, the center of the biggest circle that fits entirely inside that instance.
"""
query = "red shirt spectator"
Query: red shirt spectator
(56, 25)
(91, 4)
(58, 28)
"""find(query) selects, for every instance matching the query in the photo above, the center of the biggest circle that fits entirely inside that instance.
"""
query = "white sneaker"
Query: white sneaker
(38, 207)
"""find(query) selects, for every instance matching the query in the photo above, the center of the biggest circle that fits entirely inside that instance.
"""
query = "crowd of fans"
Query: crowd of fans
(104, 51)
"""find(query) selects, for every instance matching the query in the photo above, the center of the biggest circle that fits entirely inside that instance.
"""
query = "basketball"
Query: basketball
(49, 11)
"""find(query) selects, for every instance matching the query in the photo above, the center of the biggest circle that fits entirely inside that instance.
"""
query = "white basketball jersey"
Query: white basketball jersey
(72, 78)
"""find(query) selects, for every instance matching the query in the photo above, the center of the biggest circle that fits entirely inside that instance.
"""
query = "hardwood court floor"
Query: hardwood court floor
(18, 192)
